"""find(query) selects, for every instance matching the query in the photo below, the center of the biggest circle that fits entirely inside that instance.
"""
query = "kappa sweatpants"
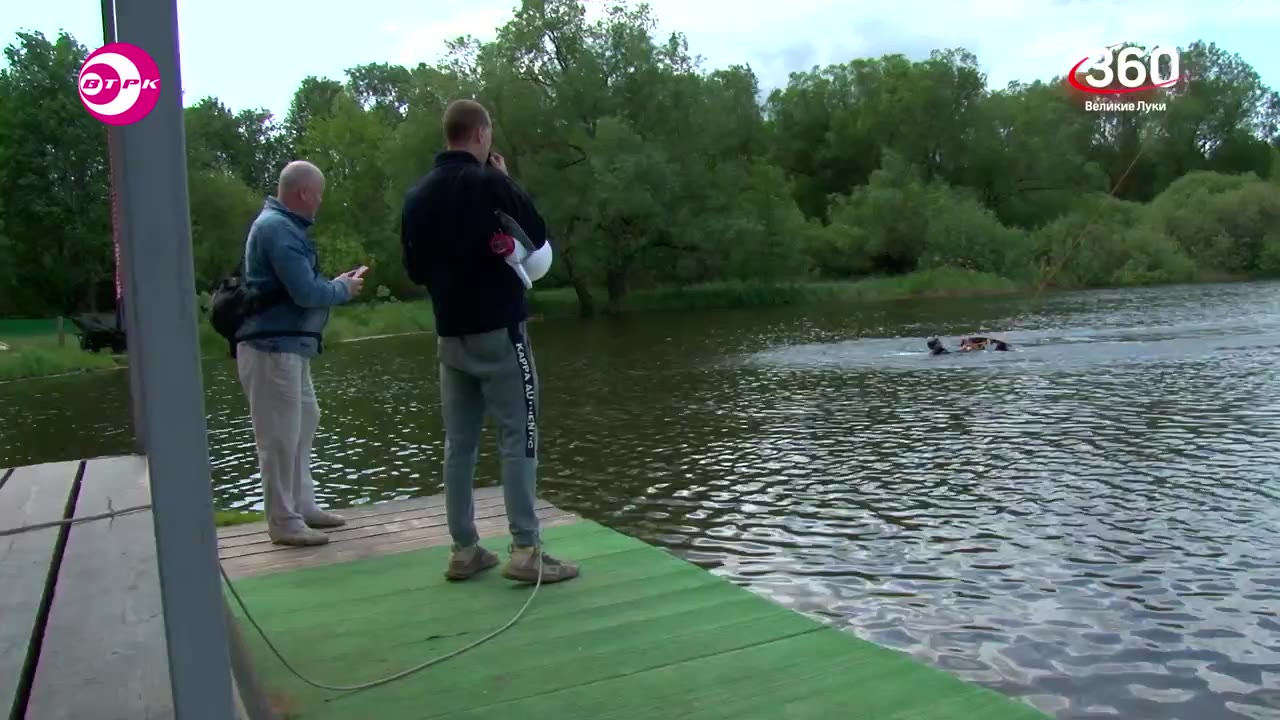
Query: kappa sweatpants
(490, 373)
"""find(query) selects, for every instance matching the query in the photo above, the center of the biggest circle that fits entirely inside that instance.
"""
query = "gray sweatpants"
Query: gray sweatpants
(494, 372)
(282, 404)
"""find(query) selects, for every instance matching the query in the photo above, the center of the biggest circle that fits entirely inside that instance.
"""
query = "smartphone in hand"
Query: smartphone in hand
(498, 162)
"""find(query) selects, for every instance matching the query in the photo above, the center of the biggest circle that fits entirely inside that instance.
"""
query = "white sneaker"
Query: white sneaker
(300, 537)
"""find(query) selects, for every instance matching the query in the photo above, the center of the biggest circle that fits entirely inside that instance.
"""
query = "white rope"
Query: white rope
(112, 513)
(403, 673)
(75, 521)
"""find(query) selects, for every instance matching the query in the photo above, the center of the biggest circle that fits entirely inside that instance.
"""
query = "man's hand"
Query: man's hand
(499, 162)
(354, 282)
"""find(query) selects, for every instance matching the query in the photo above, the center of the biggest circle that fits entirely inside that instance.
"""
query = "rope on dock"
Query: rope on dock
(113, 513)
(390, 678)
(110, 514)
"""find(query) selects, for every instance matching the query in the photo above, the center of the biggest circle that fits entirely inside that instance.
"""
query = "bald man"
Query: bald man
(274, 350)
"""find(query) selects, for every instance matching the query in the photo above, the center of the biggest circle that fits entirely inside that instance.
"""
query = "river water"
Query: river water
(1090, 522)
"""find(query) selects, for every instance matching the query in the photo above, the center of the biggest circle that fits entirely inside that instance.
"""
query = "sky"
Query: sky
(250, 53)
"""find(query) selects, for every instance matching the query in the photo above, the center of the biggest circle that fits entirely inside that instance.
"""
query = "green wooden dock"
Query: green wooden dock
(641, 634)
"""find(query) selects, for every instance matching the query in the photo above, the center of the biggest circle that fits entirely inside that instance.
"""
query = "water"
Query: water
(1089, 522)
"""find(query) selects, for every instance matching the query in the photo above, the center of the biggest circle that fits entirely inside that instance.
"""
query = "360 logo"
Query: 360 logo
(119, 84)
(1129, 74)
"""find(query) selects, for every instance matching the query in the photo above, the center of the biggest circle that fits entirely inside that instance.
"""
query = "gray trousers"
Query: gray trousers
(282, 404)
(493, 372)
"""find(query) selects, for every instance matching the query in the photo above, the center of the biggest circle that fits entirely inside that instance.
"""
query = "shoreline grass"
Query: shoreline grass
(941, 282)
(229, 518)
(42, 356)
(33, 356)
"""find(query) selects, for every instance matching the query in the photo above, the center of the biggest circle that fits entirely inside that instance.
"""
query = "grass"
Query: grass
(348, 322)
(41, 355)
(942, 282)
(228, 518)
(352, 322)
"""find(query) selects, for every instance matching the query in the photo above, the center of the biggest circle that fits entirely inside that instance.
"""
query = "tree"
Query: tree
(53, 166)
(652, 170)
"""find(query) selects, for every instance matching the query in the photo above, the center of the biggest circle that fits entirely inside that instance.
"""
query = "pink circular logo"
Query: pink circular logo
(119, 84)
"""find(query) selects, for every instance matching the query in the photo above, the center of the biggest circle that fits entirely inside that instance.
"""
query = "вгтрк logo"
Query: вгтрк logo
(119, 84)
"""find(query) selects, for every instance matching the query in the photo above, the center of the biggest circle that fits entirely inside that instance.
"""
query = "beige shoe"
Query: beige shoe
(467, 562)
(324, 519)
(300, 537)
(523, 567)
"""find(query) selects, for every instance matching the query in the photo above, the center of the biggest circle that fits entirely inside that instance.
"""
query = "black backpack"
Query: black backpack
(233, 302)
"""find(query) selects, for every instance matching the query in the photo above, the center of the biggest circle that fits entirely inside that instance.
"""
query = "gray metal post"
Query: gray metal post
(159, 284)
(124, 310)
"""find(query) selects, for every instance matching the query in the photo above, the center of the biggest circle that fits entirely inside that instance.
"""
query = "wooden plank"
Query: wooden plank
(104, 653)
(367, 521)
(482, 496)
(29, 496)
(290, 558)
(371, 527)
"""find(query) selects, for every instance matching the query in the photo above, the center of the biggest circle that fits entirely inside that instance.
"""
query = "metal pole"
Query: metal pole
(159, 293)
(124, 317)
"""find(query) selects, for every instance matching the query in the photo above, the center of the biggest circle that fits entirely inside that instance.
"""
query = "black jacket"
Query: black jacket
(447, 223)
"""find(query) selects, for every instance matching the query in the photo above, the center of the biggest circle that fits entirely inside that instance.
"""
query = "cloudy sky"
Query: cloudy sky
(251, 53)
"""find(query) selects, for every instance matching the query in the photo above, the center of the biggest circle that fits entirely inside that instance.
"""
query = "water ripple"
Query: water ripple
(1088, 522)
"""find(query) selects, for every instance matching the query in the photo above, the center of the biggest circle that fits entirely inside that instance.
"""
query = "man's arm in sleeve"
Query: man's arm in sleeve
(512, 200)
(411, 239)
(290, 261)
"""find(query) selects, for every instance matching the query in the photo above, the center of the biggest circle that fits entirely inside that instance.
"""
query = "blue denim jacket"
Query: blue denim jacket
(278, 252)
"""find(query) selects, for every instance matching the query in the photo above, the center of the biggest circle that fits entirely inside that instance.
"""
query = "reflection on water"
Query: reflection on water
(1088, 522)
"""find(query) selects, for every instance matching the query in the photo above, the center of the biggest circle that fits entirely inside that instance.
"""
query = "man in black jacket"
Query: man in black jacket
(455, 244)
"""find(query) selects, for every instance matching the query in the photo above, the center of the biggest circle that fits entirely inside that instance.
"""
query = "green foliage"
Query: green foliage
(53, 168)
(41, 355)
(1109, 242)
(340, 251)
(898, 223)
(656, 174)
(222, 209)
(229, 518)
(1220, 221)
(362, 320)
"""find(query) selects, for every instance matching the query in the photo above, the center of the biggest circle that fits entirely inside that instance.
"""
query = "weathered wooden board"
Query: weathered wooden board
(29, 496)
(391, 541)
(104, 653)
(369, 527)
(363, 513)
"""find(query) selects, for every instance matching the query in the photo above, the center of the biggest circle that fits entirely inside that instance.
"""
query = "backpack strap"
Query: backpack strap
(260, 302)
(264, 334)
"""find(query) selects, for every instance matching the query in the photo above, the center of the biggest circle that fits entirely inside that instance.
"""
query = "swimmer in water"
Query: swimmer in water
(969, 344)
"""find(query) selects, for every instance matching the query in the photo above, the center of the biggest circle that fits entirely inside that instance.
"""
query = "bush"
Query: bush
(962, 233)
(1108, 242)
(898, 224)
(1220, 221)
